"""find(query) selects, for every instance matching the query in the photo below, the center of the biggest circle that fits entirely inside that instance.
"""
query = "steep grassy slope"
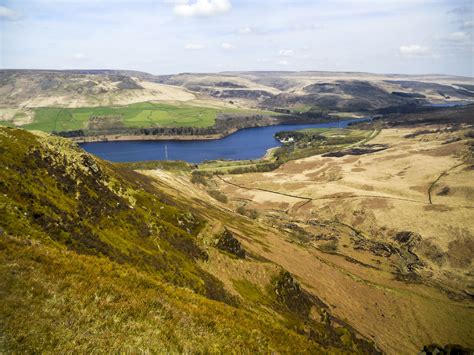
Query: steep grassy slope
(96, 258)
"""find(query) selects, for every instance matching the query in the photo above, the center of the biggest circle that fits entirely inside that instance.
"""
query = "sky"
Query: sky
(174, 36)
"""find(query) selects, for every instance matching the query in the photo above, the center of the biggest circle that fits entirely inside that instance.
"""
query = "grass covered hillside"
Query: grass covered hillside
(96, 258)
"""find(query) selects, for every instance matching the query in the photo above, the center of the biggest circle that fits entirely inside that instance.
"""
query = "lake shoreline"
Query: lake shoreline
(132, 138)
(165, 137)
(244, 144)
(118, 137)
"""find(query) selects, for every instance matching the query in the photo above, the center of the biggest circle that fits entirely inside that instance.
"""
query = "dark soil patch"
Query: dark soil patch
(438, 208)
(461, 252)
(444, 191)
(365, 149)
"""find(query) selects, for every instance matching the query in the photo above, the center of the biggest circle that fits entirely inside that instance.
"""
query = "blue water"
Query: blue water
(249, 143)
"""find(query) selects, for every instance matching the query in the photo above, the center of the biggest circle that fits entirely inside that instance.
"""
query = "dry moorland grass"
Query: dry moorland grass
(341, 246)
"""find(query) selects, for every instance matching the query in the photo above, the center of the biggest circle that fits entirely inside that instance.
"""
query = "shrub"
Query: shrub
(219, 196)
(248, 212)
(329, 247)
(199, 177)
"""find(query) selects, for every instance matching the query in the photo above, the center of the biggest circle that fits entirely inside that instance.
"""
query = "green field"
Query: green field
(6, 124)
(146, 114)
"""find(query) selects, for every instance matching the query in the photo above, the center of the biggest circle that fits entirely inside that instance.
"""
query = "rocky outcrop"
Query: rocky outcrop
(289, 293)
(408, 239)
(228, 243)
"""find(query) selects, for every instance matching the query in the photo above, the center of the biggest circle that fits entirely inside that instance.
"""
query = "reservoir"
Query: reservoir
(248, 143)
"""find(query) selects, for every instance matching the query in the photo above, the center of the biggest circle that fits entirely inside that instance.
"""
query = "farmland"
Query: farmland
(146, 114)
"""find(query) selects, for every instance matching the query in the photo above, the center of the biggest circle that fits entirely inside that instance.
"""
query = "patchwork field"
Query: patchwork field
(146, 114)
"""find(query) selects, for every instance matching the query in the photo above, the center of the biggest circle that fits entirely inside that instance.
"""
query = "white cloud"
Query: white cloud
(7, 14)
(414, 50)
(193, 46)
(228, 46)
(245, 30)
(80, 56)
(202, 8)
(286, 53)
(283, 62)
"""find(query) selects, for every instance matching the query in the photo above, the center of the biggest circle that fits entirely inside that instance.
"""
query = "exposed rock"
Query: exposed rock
(452, 140)
(407, 238)
(227, 242)
(364, 149)
(228, 84)
(288, 292)
(449, 349)
(90, 163)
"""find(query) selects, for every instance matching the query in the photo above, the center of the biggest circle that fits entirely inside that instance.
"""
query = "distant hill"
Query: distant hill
(341, 91)
(330, 90)
(82, 88)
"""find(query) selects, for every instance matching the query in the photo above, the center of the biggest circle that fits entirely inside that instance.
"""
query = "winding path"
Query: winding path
(430, 189)
(308, 199)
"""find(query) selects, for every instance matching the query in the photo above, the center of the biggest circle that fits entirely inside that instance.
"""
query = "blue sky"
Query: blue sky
(171, 36)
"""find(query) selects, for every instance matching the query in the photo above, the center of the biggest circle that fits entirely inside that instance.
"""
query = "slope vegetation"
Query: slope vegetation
(98, 258)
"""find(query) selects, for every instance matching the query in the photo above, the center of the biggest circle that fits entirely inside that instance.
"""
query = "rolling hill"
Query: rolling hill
(25, 95)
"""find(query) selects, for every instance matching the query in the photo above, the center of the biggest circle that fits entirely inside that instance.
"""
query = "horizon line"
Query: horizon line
(234, 71)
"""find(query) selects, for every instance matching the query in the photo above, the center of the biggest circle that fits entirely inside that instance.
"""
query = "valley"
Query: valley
(237, 177)
(361, 233)
(325, 232)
